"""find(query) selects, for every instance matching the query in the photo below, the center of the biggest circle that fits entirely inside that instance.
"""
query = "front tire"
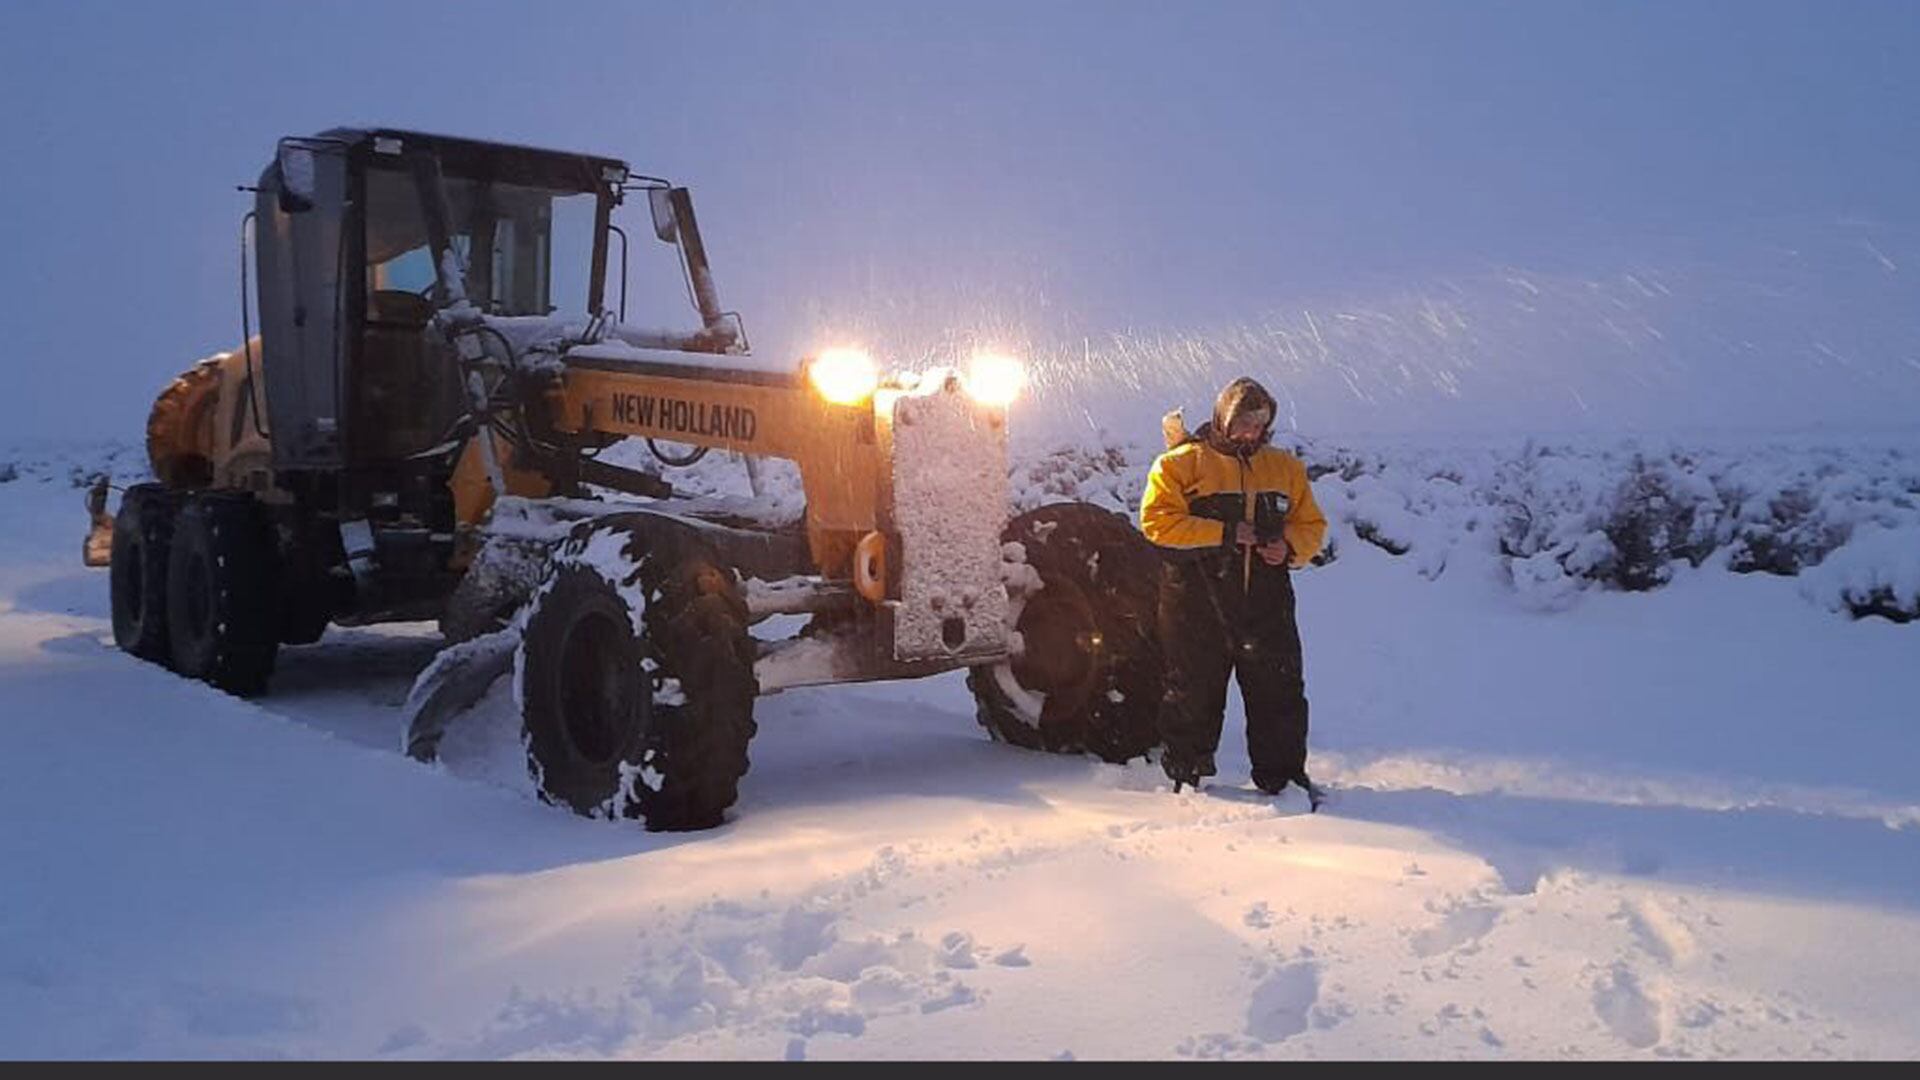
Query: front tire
(137, 571)
(223, 596)
(1088, 676)
(652, 725)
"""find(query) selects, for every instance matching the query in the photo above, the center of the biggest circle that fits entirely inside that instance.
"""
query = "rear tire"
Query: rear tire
(223, 597)
(137, 572)
(1089, 674)
(651, 725)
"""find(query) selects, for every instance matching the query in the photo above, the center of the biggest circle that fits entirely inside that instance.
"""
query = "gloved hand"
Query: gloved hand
(1276, 552)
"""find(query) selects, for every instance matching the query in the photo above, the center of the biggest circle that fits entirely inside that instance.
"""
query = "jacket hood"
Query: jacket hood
(1241, 395)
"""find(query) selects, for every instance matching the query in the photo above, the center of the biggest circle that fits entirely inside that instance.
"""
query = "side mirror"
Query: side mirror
(665, 225)
(296, 178)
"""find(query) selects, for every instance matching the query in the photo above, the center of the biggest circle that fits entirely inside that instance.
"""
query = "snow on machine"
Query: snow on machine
(417, 431)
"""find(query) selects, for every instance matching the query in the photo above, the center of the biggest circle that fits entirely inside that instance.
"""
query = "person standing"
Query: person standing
(1233, 517)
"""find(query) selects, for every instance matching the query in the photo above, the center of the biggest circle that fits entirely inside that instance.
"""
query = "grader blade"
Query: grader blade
(453, 683)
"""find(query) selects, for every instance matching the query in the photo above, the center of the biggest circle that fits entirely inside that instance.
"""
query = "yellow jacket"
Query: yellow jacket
(1195, 491)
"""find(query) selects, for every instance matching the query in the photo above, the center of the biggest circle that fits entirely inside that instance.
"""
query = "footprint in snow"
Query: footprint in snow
(1282, 1003)
(1461, 926)
(1658, 932)
(1627, 1007)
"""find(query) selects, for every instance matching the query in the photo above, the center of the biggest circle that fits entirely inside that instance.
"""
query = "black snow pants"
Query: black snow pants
(1212, 626)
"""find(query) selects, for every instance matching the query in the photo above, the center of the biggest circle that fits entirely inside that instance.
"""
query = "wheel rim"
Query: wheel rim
(1059, 660)
(594, 688)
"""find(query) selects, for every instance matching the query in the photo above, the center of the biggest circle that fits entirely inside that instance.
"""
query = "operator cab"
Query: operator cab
(396, 270)
(364, 235)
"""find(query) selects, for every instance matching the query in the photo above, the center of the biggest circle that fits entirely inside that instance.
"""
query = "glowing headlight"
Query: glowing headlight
(843, 376)
(995, 379)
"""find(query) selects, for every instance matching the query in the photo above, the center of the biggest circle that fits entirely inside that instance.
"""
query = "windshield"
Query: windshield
(527, 250)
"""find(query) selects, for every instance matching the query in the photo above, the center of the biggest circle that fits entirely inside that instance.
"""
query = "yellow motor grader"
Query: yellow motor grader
(416, 431)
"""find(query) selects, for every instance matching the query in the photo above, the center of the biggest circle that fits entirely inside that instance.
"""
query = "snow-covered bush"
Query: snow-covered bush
(74, 464)
(1564, 518)
(1661, 512)
(1777, 518)
(1876, 573)
(1543, 501)
(1103, 473)
(1783, 534)
(1541, 583)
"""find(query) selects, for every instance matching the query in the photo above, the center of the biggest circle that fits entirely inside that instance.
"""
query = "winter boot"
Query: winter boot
(1315, 793)
(1185, 771)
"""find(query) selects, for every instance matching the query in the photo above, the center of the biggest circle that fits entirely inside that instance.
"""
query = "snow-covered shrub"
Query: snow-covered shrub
(1661, 512)
(1379, 537)
(76, 464)
(1104, 474)
(1563, 519)
(1403, 512)
(1380, 515)
(1784, 534)
(1876, 573)
(1566, 518)
(1541, 583)
(1337, 461)
(1542, 501)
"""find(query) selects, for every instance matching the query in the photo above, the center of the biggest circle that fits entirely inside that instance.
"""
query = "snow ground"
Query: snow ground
(1683, 823)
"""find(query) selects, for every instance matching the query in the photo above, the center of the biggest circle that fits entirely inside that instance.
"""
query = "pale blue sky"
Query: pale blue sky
(1103, 165)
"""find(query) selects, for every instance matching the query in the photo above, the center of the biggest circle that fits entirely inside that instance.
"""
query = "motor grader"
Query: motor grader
(417, 431)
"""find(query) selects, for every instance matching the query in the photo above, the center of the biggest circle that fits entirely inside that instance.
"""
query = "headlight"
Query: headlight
(843, 376)
(994, 379)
